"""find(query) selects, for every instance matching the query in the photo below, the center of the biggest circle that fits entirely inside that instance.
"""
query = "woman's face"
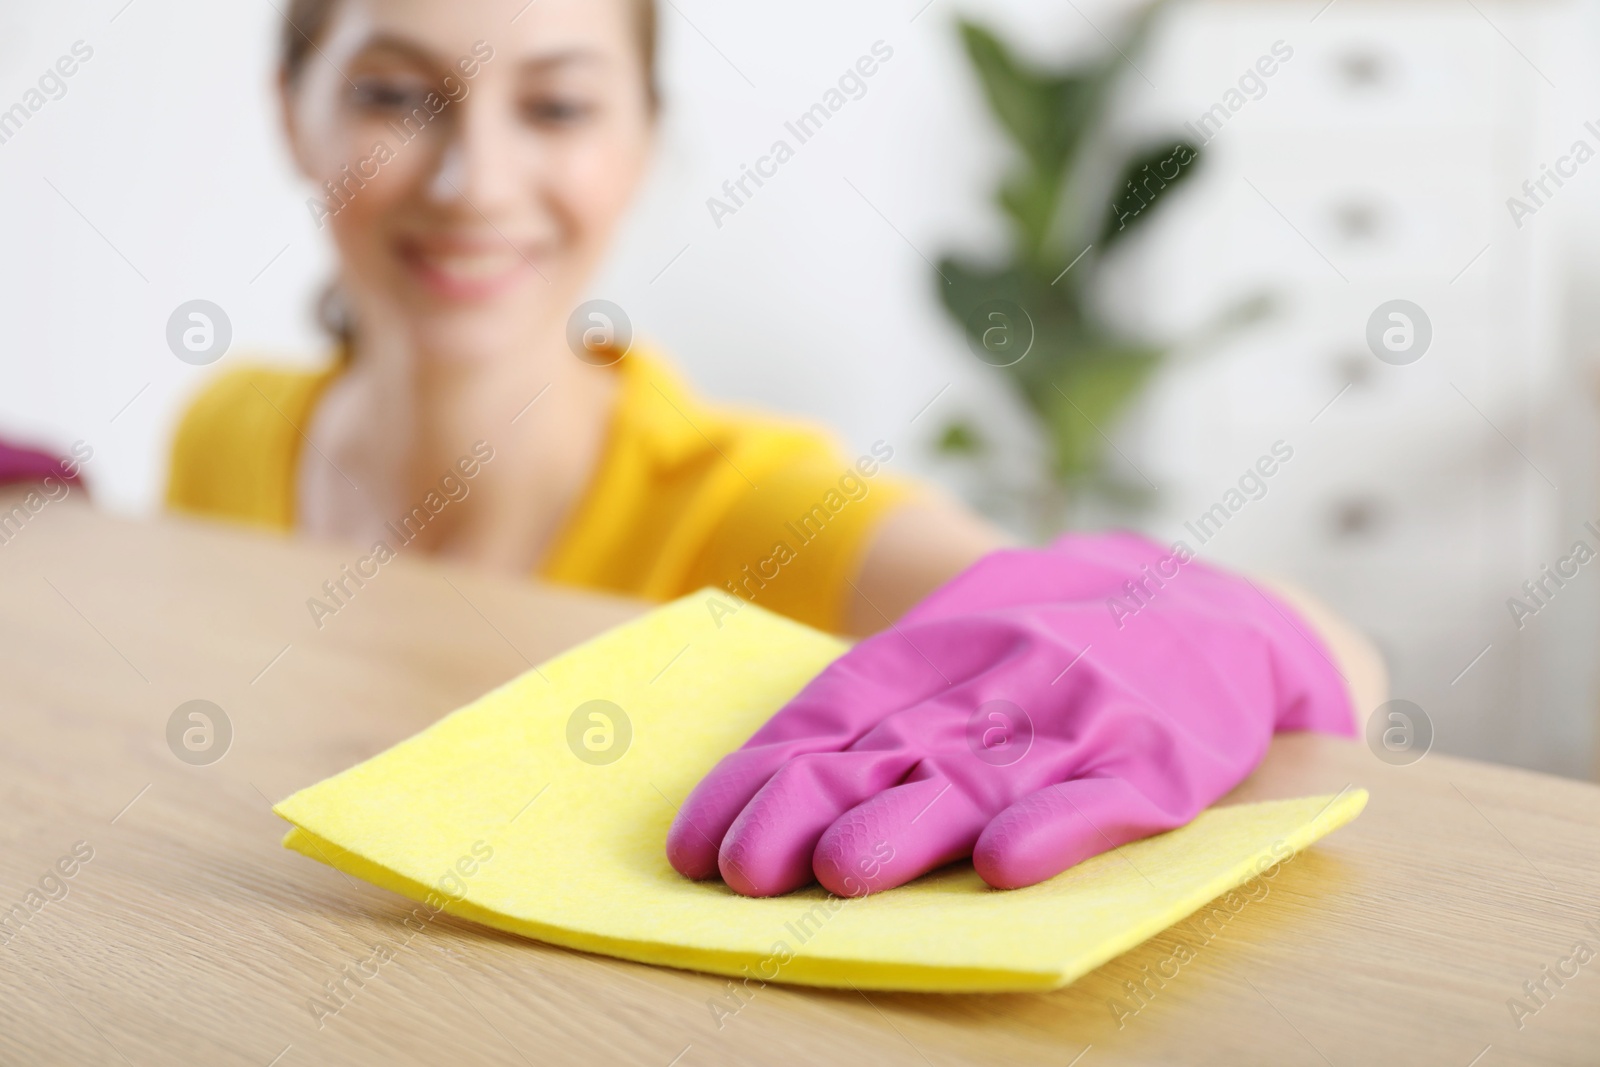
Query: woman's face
(472, 158)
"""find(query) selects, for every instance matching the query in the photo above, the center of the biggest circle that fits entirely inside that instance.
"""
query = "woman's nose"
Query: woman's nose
(478, 163)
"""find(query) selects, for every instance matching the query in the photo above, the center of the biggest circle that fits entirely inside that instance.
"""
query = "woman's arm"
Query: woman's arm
(917, 547)
(924, 544)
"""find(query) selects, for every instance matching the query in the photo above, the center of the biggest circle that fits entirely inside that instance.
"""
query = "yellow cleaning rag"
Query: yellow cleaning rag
(542, 808)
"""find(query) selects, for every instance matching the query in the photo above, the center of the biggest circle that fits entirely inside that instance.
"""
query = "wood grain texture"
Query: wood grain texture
(193, 937)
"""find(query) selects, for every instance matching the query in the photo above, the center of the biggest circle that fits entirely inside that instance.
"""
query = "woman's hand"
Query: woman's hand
(1042, 707)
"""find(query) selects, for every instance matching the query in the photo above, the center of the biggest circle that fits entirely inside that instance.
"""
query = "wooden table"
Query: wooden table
(191, 936)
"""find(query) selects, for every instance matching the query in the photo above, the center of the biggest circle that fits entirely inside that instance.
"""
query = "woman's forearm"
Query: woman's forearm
(924, 544)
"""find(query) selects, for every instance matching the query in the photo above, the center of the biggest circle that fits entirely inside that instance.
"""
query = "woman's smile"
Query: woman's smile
(470, 267)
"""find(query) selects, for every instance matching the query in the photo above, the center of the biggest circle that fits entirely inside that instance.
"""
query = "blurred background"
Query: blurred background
(1295, 169)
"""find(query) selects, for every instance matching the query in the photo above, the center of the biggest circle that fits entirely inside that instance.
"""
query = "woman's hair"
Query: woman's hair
(304, 25)
(307, 20)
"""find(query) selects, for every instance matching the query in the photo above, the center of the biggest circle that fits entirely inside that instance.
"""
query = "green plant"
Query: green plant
(1070, 201)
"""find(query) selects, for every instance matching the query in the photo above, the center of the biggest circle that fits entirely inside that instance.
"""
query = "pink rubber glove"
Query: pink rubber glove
(19, 464)
(1030, 713)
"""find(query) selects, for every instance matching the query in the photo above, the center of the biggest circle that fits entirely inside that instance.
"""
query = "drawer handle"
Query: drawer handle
(1362, 69)
(1357, 517)
(1358, 220)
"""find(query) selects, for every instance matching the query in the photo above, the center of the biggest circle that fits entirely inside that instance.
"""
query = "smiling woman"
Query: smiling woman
(514, 198)
(463, 249)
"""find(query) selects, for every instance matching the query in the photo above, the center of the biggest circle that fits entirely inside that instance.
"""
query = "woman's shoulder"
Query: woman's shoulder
(680, 426)
(236, 443)
(250, 382)
(696, 492)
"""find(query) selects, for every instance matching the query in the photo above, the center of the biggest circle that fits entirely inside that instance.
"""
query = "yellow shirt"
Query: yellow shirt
(686, 494)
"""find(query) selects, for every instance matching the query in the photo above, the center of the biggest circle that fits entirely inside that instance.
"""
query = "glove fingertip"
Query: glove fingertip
(689, 850)
(698, 830)
(753, 871)
(1009, 860)
(838, 867)
(1050, 831)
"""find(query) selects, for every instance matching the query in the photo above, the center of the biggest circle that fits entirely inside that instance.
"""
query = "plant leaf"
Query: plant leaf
(1087, 95)
(1085, 400)
(1145, 182)
(1034, 108)
(1030, 201)
(967, 285)
(961, 438)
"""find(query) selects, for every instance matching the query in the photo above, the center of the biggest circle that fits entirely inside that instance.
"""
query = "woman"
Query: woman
(472, 160)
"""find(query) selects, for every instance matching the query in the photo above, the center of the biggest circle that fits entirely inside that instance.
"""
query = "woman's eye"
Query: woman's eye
(373, 95)
(556, 111)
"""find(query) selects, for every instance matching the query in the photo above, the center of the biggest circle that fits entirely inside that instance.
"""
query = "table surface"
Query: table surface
(191, 936)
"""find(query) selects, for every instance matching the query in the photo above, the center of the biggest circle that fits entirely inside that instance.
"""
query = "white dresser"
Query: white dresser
(1374, 164)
